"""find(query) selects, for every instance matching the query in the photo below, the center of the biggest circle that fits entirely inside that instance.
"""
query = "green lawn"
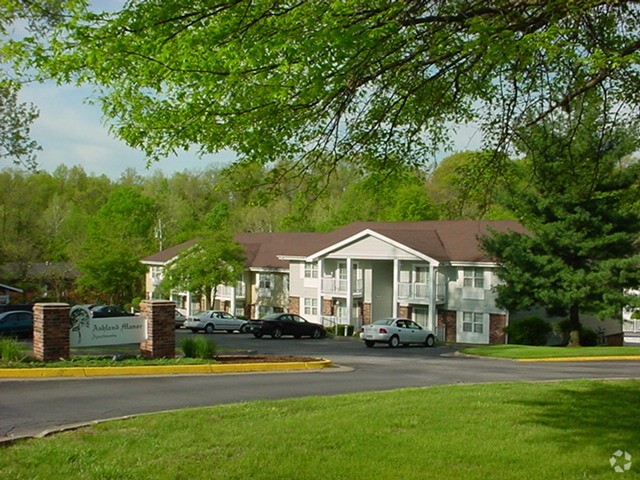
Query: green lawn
(561, 430)
(526, 351)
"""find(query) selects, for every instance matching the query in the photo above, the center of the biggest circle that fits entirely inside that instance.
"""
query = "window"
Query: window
(473, 277)
(473, 322)
(310, 270)
(420, 274)
(265, 280)
(310, 306)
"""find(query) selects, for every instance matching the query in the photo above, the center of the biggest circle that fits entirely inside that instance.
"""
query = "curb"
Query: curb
(581, 359)
(607, 358)
(162, 369)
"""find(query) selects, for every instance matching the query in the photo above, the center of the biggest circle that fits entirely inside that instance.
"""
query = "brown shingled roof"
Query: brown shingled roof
(166, 255)
(444, 241)
(261, 249)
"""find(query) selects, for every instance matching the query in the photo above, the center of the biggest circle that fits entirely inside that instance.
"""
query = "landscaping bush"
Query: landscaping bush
(338, 330)
(341, 330)
(588, 337)
(11, 350)
(198, 347)
(528, 331)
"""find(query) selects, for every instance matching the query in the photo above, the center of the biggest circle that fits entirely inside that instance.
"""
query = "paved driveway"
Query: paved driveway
(29, 407)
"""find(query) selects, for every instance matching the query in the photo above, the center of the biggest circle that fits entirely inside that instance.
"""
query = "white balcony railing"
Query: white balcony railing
(336, 286)
(420, 291)
(631, 326)
(227, 292)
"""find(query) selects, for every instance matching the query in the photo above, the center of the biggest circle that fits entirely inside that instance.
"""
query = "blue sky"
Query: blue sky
(72, 132)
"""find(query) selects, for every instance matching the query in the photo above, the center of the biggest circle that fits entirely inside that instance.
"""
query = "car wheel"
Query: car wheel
(257, 335)
(209, 328)
(394, 341)
(277, 333)
(243, 329)
(430, 341)
(369, 343)
(316, 334)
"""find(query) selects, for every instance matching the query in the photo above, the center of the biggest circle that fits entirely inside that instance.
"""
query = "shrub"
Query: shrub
(198, 347)
(588, 337)
(11, 350)
(342, 328)
(528, 331)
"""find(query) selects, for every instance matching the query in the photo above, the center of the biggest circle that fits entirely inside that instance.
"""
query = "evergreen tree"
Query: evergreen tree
(582, 252)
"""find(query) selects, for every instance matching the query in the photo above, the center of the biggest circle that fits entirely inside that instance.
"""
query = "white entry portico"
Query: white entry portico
(370, 275)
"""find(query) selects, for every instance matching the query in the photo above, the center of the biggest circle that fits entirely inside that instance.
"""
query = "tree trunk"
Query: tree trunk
(574, 326)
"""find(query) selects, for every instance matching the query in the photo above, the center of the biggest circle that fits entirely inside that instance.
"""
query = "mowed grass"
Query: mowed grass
(562, 430)
(526, 351)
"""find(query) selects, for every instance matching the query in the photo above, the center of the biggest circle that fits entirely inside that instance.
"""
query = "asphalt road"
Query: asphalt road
(31, 407)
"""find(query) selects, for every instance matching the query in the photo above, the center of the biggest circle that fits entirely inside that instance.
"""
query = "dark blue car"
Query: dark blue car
(17, 323)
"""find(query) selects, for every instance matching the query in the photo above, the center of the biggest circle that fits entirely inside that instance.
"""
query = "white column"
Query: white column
(233, 299)
(189, 309)
(320, 277)
(350, 291)
(396, 278)
(432, 322)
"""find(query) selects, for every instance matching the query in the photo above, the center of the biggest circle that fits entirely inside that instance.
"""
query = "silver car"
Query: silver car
(211, 320)
(396, 331)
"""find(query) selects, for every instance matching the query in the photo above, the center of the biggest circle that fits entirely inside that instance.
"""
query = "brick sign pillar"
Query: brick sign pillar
(161, 329)
(51, 324)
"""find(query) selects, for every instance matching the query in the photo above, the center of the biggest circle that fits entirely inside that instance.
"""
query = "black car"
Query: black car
(102, 311)
(279, 324)
(16, 323)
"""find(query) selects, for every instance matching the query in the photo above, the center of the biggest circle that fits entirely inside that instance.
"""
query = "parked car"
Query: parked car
(396, 331)
(101, 311)
(180, 319)
(279, 324)
(17, 323)
(211, 320)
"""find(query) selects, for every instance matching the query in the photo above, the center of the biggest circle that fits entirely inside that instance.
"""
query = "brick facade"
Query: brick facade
(497, 322)
(51, 324)
(404, 312)
(327, 306)
(161, 335)
(294, 305)
(366, 313)
(447, 325)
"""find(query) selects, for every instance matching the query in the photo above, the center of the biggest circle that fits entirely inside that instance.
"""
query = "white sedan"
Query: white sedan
(396, 331)
(211, 320)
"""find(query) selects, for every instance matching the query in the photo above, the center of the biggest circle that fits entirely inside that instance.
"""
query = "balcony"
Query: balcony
(337, 286)
(420, 292)
(226, 291)
(631, 326)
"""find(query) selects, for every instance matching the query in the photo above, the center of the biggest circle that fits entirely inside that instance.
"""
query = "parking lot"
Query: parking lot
(342, 350)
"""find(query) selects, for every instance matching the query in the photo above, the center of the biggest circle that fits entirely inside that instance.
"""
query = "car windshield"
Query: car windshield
(384, 321)
(271, 316)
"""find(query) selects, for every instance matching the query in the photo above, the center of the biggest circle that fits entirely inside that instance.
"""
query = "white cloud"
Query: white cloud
(71, 132)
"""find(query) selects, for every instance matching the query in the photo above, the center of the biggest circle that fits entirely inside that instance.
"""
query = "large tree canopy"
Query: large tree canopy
(374, 82)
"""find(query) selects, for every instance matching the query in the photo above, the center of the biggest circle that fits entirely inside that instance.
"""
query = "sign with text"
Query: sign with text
(86, 331)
